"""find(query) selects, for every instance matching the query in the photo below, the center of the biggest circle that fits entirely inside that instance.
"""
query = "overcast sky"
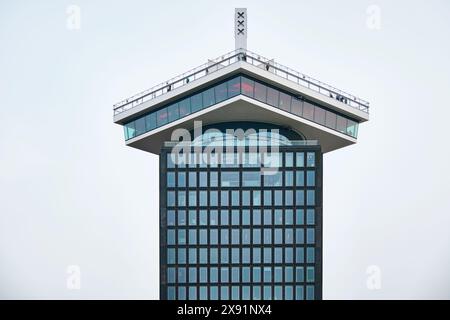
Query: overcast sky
(72, 194)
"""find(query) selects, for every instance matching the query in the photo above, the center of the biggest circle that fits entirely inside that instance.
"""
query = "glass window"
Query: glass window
(245, 217)
(251, 179)
(267, 293)
(213, 198)
(297, 106)
(170, 160)
(203, 236)
(245, 236)
(235, 255)
(310, 198)
(273, 180)
(308, 111)
(203, 254)
(224, 293)
(234, 87)
(170, 198)
(184, 107)
(229, 179)
(181, 293)
(330, 119)
(224, 237)
(182, 179)
(267, 274)
(171, 293)
(213, 236)
(140, 125)
(235, 198)
(214, 275)
(214, 255)
(182, 275)
(272, 96)
(300, 197)
(288, 178)
(288, 293)
(300, 159)
(192, 293)
(150, 121)
(213, 179)
(256, 197)
(247, 86)
(289, 255)
(246, 255)
(203, 293)
(235, 236)
(310, 216)
(203, 274)
(224, 274)
(300, 178)
(221, 92)
(267, 197)
(235, 292)
(351, 128)
(299, 236)
(285, 101)
(235, 274)
(310, 255)
(192, 179)
(173, 112)
(256, 255)
(181, 236)
(289, 197)
(267, 217)
(289, 217)
(256, 236)
(256, 217)
(311, 159)
(278, 252)
(224, 198)
(192, 198)
(299, 275)
(311, 178)
(245, 293)
(299, 255)
(278, 236)
(246, 198)
(256, 293)
(260, 92)
(341, 124)
(171, 253)
(299, 293)
(319, 115)
(208, 97)
(310, 238)
(278, 216)
(192, 275)
(214, 293)
(278, 197)
(299, 216)
(203, 198)
(309, 292)
(224, 255)
(288, 274)
(181, 217)
(289, 235)
(203, 217)
(171, 275)
(170, 218)
(267, 236)
(267, 255)
(224, 217)
(130, 132)
(310, 274)
(278, 274)
(161, 117)
(203, 179)
(213, 217)
(192, 236)
(181, 198)
(192, 255)
(181, 255)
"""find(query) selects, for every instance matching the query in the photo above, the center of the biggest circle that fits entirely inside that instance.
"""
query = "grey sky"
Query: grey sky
(73, 194)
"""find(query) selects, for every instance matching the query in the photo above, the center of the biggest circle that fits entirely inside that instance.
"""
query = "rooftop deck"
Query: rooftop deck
(247, 57)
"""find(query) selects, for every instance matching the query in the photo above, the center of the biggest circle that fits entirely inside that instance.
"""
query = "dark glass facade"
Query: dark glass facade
(230, 230)
(248, 87)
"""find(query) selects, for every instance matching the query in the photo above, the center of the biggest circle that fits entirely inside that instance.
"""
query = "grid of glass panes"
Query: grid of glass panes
(233, 233)
(231, 88)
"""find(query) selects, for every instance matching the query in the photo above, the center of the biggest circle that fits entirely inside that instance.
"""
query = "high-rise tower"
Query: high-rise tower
(240, 141)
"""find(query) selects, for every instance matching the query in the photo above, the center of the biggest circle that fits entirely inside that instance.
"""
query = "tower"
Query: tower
(240, 141)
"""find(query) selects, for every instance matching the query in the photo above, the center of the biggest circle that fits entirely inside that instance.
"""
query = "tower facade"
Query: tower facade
(240, 141)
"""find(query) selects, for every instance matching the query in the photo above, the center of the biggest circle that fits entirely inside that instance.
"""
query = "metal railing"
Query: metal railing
(248, 57)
